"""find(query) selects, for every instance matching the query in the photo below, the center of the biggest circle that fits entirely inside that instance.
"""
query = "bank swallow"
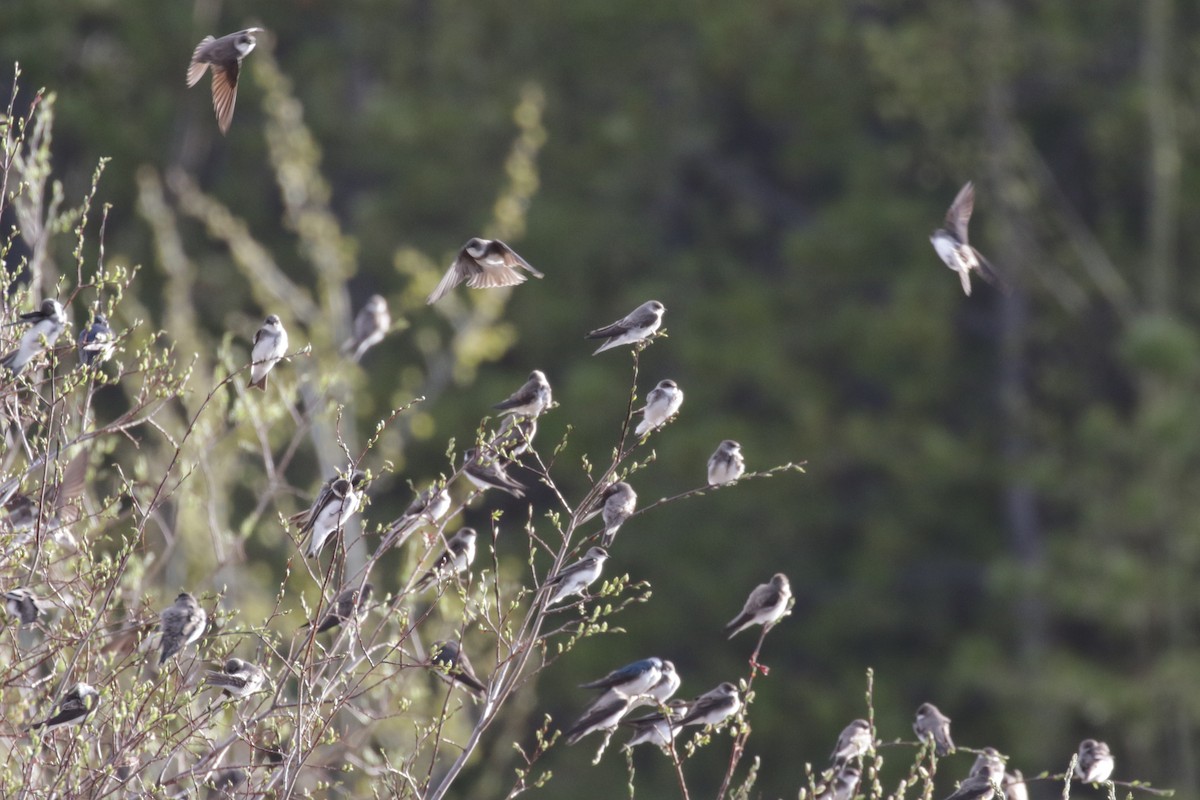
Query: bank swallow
(349, 604)
(932, 725)
(603, 716)
(765, 606)
(713, 707)
(370, 326)
(976, 787)
(514, 438)
(726, 465)
(1095, 764)
(854, 742)
(487, 472)
(989, 763)
(427, 508)
(616, 504)
(338, 501)
(454, 560)
(574, 578)
(843, 785)
(180, 625)
(483, 264)
(225, 56)
(662, 403)
(238, 678)
(453, 666)
(531, 400)
(75, 707)
(1014, 786)
(24, 605)
(951, 244)
(45, 326)
(636, 326)
(96, 342)
(658, 728)
(270, 345)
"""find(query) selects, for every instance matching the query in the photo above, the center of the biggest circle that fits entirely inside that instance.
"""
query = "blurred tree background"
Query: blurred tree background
(996, 515)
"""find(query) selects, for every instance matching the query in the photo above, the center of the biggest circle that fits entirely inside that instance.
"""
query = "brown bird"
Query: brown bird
(225, 56)
(483, 264)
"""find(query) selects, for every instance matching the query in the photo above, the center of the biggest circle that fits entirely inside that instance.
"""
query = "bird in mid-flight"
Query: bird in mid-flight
(45, 325)
(634, 327)
(225, 56)
(951, 244)
(483, 264)
(270, 345)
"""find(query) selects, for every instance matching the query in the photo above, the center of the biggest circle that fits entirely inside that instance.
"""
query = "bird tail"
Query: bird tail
(260, 384)
(735, 627)
(644, 425)
(606, 346)
(965, 276)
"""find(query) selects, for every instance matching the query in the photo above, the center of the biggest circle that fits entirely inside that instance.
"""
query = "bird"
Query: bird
(636, 326)
(976, 787)
(75, 707)
(1095, 764)
(765, 606)
(662, 403)
(96, 342)
(630, 680)
(486, 472)
(854, 742)
(603, 716)
(483, 264)
(238, 678)
(726, 464)
(658, 728)
(55, 509)
(574, 578)
(531, 400)
(453, 666)
(454, 560)
(988, 762)
(660, 692)
(514, 438)
(45, 326)
(616, 503)
(225, 56)
(370, 326)
(270, 345)
(24, 605)
(932, 725)
(713, 707)
(843, 785)
(336, 503)
(180, 624)
(429, 506)
(1014, 786)
(349, 604)
(951, 244)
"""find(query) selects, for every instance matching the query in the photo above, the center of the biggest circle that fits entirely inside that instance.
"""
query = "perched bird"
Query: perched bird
(630, 680)
(765, 606)
(336, 503)
(180, 625)
(453, 666)
(227, 781)
(454, 560)
(483, 264)
(603, 716)
(616, 503)
(662, 403)
(660, 692)
(976, 787)
(989, 762)
(55, 509)
(844, 783)
(45, 326)
(270, 345)
(531, 400)
(514, 438)
(238, 679)
(349, 604)
(713, 707)
(951, 245)
(932, 725)
(658, 728)
(486, 472)
(634, 327)
(1014, 786)
(726, 465)
(429, 506)
(854, 742)
(96, 342)
(1095, 764)
(574, 578)
(225, 56)
(75, 707)
(370, 326)
(24, 605)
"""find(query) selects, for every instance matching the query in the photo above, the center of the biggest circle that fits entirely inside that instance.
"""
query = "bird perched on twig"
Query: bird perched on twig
(75, 707)
(225, 56)
(765, 606)
(45, 326)
(483, 264)
(531, 400)
(338, 501)
(370, 326)
(24, 605)
(349, 604)
(932, 725)
(96, 342)
(453, 666)
(238, 678)
(454, 560)
(713, 707)
(487, 472)
(1095, 763)
(662, 403)
(180, 624)
(726, 464)
(616, 503)
(574, 579)
(270, 345)
(854, 742)
(636, 326)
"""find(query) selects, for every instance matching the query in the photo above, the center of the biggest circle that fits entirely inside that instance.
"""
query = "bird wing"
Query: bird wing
(463, 268)
(959, 213)
(512, 259)
(224, 92)
(197, 67)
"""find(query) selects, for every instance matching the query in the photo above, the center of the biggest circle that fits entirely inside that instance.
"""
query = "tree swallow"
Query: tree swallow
(853, 743)
(370, 326)
(1095, 764)
(574, 578)
(630, 680)
(337, 502)
(453, 666)
(951, 242)
(659, 728)
(726, 465)
(24, 605)
(603, 716)
(636, 326)
(617, 503)
(662, 403)
(96, 342)
(843, 785)
(531, 400)
(765, 606)
(933, 725)
(76, 706)
(270, 345)
(454, 560)
(225, 56)
(713, 707)
(486, 472)
(45, 326)
(238, 679)
(349, 604)
(180, 625)
(483, 264)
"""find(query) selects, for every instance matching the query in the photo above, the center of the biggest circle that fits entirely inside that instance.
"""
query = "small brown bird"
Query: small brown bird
(225, 56)
(952, 246)
(483, 264)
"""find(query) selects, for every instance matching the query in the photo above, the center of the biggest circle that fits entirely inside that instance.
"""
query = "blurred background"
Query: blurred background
(1000, 512)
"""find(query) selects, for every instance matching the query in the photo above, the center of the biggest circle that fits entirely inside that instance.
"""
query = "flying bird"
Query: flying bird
(454, 560)
(453, 666)
(270, 345)
(616, 503)
(1096, 763)
(574, 578)
(854, 742)
(604, 716)
(24, 605)
(765, 606)
(843, 785)
(951, 244)
(932, 725)
(726, 465)
(713, 707)
(486, 472)
(45, 326)
(658, 728)
(349, 604)
(225, 56)
(238, 678)
(483, 264)
(531, 400)
(662, 403)
(338, 501)
(636, 326)
(75, 707)
(370, 326)
(180, 625)
(96, 342)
